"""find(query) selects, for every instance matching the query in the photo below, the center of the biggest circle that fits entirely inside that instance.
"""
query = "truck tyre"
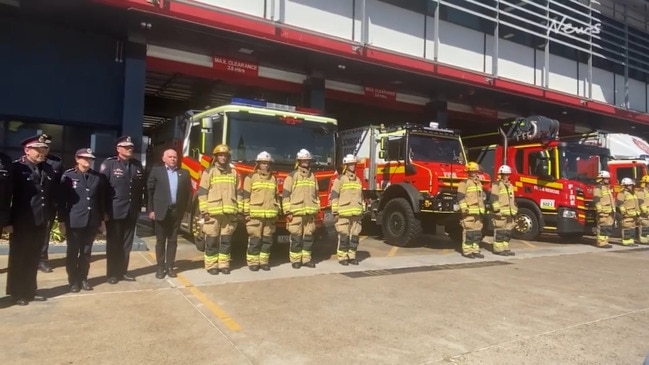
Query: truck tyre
(455, 233)
(400, 225)
(526, 225)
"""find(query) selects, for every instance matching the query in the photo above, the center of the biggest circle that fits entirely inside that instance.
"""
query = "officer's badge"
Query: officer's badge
(42, 138)
(128, 139)
(88, 150)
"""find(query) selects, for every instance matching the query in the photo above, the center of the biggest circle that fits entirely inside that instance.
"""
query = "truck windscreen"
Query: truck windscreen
(581, 163)
(282, 137)
(427, 148)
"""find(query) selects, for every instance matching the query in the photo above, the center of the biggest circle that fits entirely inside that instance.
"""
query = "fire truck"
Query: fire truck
(553, 180)
(629, 154)
(410, 174)
(248, 127)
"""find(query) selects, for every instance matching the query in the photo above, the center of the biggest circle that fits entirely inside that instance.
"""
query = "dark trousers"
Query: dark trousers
(166, 235)
(24, 253)
(46, 242)
(77, 259)
(119, 242)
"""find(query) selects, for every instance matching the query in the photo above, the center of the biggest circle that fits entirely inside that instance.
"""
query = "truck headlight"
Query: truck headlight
(569, 214)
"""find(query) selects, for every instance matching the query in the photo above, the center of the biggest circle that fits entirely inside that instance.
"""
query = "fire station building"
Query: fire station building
(87, 71)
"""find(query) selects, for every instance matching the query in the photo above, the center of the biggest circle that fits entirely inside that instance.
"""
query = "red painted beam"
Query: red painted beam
(264, 29)
(167, 66)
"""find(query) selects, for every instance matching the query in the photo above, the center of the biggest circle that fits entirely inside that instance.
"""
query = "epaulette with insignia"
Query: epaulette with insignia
(70, 170)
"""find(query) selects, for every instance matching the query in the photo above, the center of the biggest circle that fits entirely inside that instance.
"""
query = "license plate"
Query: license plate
(283, 239)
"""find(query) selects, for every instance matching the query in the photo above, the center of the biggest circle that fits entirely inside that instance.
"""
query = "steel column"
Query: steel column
(546, 55)
(495, 57)
(436, 30)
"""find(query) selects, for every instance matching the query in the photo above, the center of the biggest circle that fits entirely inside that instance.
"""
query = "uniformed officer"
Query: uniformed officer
(260, 209)
(33, 197)
(301, 203)
(505, 210)
(219, 204)
(605, 207)
(57, 166)
(643, 197)
(81, 214)
(628, 204)
(6, 184)
(126, 182)
(471, 197)
(347, 206)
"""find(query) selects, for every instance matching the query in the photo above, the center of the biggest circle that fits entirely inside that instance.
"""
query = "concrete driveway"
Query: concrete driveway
(551, 304)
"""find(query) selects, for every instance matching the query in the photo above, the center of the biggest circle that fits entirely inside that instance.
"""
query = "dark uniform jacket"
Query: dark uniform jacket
(159, 193)
(57, 166)
(6, 184)
(33, 193)
(126, 187)
(82, 198)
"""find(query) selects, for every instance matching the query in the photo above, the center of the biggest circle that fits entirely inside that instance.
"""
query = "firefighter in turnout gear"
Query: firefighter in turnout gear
(605, 206)
(300, 203)
(627, 203)
(504, 209)
(260, 208)
(471, 200)
(643, 197)
(219, 204)
(347, 206)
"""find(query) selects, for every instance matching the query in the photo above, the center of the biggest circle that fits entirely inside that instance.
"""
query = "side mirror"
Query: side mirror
(382, 155)
(383, 144)
(206, 123)
(410, 170)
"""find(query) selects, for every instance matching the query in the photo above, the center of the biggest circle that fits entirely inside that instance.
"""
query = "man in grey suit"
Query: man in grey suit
(169, 193)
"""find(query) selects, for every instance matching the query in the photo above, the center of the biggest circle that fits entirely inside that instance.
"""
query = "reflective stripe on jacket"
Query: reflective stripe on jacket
(217, 193)
(347, 195)
(259, 196)
(300, 193)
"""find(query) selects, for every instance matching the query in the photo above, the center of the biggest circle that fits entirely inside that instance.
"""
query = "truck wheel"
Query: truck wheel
(455, 234)
(526, 225)
(198, 237)
(400, 225)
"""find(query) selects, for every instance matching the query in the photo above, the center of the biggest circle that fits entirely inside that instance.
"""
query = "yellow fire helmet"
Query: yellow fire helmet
(222, 148)
(472, 167)
(645, 179)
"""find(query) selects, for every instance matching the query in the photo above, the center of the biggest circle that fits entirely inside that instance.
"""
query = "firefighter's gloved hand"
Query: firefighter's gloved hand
(289, 217)
(247, 218)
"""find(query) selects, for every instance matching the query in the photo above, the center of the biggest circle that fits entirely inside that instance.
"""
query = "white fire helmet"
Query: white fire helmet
(504, 169)
(264, 157)
(627, 182)
(303, 155)
(349, 159)
(604, 174)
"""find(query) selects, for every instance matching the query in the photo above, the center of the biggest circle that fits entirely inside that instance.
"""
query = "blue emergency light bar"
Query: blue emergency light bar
(274, 106)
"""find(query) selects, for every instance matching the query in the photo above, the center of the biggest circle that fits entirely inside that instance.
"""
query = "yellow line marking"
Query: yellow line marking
(529, 244)
(393, 251)
(215, 309)
(209, 304)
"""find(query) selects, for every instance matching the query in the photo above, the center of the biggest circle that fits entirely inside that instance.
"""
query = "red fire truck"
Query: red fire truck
(553, 180)
(629, 154)
(249, 127)
(410, 175)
